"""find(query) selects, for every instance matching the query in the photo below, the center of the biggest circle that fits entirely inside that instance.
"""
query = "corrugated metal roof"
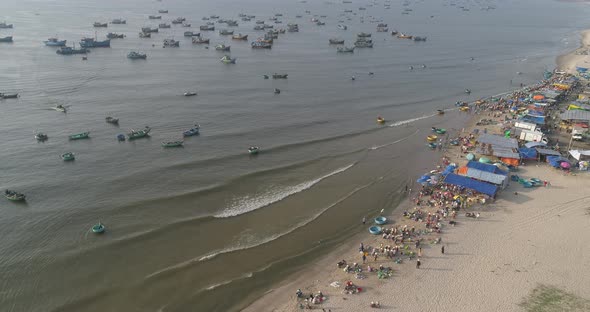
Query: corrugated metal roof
(505, 152)
(544, 151)
(498, 141)
(486, 176)
(575, 115)
(482, 187)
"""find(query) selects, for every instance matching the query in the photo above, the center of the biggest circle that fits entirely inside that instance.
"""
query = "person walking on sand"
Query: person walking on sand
(364, 220)
(418, 263)
(442, 249)
(420, 252)
(375, 257)
(364, 258)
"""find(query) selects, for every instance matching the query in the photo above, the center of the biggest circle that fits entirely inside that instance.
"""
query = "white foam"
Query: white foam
(394, 142)
(247, 203)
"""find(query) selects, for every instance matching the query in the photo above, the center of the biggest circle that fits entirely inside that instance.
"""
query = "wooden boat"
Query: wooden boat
(137, 134)
(432, 145)
(39, 136)
(403, 36)
(68, 156)
(253, 150)
(112, 120)
(60, 108)
(190, 93)
(226, 59)
(336, 41)
(440, 111)
(192, 131)
(79, 136)
(240, 37)
(8, 95)
(222, 47)
(200, 40)
(345, 50)
(173, 144)
(432, 138)
(14, 196)
(464, 108)
(380, 120)
(98, 228)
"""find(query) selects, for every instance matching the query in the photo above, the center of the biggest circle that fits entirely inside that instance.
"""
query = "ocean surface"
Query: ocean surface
(208, 227)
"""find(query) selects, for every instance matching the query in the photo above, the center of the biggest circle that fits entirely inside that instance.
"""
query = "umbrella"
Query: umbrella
(565, 165)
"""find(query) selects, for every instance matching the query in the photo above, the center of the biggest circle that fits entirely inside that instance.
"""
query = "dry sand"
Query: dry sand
(578, 57)
(490, 264)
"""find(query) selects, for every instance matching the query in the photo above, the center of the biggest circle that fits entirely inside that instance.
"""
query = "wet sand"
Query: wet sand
(568, 62)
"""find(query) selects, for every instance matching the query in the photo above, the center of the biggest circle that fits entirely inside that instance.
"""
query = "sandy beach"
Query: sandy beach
(526, 241)
(579, 57)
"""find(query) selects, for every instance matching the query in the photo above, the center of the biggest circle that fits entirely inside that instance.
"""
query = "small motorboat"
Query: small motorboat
(277, 91)
(253, 150)
(404, 36)
(99, 24)
(162, 11)
(133, 55)
(199, 40)
(118, 21)
(120, 137)
(54, 42)
(171, 43)
(336, 41)
(164, 25)
(380, 220)
(266, 76)
(60, 108)
(8, 95)
(380, 120)
(226, 59)
(79, 136)
(14, 196)
(467, 91)
(112, 120)
(375, 230)
(115, 36)
(192, 131)
(454, 142)
(240, 37)
(363, 35)
(98, 228)
(6, 39)
(222, 47)
(432, 145)
(69, 156)
(431, 138)
(440, 111)
(416, 38)
(40, 136)
(145, 34)
(441, 131)
(225, 32)
(190, 93)
(464, 108)
(173, 144)
(138, 134)
(279, 76)
(345, 50)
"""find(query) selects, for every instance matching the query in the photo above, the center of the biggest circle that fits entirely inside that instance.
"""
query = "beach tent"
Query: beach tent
(539, 120)
(510, 161)
(527, 153)
(482, 187)
(556, 161)
(486, 167)
(580, 155)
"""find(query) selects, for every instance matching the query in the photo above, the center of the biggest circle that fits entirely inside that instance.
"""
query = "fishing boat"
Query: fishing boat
(137, 134)
(343, 27)
(363, 35)
(186, 25)
(115, 36)
(164, 25)
(192, 131)
(155, 17)
(277, 91)
(112, 120)
(240, 37)
(145, 35)
(14, 195)
(232, 23)
(363, 44)
(345, 50)
(441, 131)
(171, 43)
(225, 32)
(70, 51)
(431, 138)
(375, 230)
(261, 45)
(467, 91)
(200, 40)
(149, 30)
(3, 25)
(8, 95)
(416, 38)
(54, 42)
(179, 20)
(253, 150)
(279, 76)
(93, 43)
(40, 136)
(68, 156)
(226, 59)
(60, 108)
(382, 29)
(440, 111)
(464, 108)
(403, 36)
(162, 11)
(98, 228)
(190, 93)
(189, 34)
(380, 220)
(222, 47)
(136, 55)
(380, 120)
(79, 136)
(173, 144)
(118, 21)
(336, 41)
(258, 27)
(120, 137)
(207, 27)
(432, 145)
(99, 24)
(6, 39)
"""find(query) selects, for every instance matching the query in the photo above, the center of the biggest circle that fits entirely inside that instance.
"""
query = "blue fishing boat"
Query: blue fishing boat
(70, 51)
(375, 230)
(192, 131)
(93, 43)
(581, 69)
(54, 42)
(380, 220)
(6, 39)
(98, 228)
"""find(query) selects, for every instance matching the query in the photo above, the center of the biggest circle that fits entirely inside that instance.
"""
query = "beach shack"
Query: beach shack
(486, 173)
(472, 184)
(504, 148)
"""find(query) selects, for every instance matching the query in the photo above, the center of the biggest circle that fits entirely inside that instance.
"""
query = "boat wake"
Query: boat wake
(407, 121)
(247, 203)
(268, 239)
(394, 142)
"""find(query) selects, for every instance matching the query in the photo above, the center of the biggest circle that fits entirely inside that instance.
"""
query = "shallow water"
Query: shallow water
(207, 227)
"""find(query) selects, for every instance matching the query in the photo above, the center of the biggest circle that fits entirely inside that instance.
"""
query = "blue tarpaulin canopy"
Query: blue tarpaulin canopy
(534, 144)
(486, 167)
(527, 153)
(533, 119)
(555, 161)
(482, 187)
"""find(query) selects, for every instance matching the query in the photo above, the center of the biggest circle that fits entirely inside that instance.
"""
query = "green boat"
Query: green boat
(14, 196)
(68, 156)
(432, 145)
(441, 131)
(253, 150)
(78, 136)
(98, 228)
(173, 144)
(138, 134)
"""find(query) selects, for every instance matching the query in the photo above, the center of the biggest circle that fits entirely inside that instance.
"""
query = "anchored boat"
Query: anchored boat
(173, 144)
(137, 134)
(112, 120)
(192, 131)
(79, 136)
(226, 59)
(54, 42)
(98, 228)
(136, 55)
(14, 195)
(68, 156)
(253, 150)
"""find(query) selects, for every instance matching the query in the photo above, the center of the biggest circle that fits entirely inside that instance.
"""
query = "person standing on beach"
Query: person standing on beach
(418, 263)
(442, 249)
(364, 220)
(364, 258)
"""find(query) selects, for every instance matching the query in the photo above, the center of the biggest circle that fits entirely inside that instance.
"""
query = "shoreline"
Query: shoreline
(322, 273)
(568, 61)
